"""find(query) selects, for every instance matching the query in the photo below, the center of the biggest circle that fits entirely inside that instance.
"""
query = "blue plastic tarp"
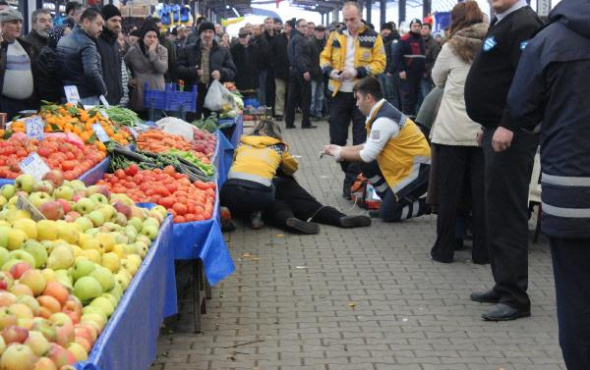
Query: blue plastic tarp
(204, 240)
(129, 339)
(238, 131)
(225, 158)
(89, 177)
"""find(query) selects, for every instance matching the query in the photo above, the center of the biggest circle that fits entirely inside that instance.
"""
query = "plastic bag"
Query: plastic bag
(176, 126)
(214, 99)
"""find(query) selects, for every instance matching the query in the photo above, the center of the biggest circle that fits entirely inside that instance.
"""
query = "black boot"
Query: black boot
(355, 221)
(303, 226)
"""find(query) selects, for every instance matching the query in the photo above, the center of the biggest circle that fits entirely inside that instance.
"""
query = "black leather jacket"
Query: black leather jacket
(81, 63)
(108, 48)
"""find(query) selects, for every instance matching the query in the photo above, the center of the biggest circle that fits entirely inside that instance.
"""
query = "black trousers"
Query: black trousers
(409, 202)
(507, 177)
(299, 96)
(462, 170)
(571, 267)
(409, 90)
(292, 200)
(11, 106)
(201, 94)
(343, 111)
(270, 89)
(244, 197)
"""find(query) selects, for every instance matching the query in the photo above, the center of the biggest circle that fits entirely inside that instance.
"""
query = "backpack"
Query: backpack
(363, 193)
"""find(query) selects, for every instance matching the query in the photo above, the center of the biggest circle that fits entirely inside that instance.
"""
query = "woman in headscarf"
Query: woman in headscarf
(148, 61)
(48, 81)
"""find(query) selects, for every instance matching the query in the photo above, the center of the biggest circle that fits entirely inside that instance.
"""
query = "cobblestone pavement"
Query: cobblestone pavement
(359, 299)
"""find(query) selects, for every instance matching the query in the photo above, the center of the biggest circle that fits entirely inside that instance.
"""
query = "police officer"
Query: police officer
(507, 173)
(552, 85)
(350, 54)
(395, 158)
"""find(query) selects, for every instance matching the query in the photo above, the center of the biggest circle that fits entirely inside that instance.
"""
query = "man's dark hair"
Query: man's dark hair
(90, 14)
(428, 25)
(369, 86)
(299, 21)
(278, 20)
(71, 5)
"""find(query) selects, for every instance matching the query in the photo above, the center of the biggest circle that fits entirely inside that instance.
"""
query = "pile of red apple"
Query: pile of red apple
(41, 324)
(186, 201)
(69, 156)
(203, 142)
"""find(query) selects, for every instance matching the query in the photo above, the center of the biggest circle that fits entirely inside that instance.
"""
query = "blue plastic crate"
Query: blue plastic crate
(185, 101)
(253, 102)
(154, 99)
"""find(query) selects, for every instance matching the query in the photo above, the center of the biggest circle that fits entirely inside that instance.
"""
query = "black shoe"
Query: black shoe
(303, 226)
(490, 296)
(346, 189)
(290, 127)
(309, 126)
(375, 214)
(439, 259)
(503, 312)
(355, 221)
(278, 117)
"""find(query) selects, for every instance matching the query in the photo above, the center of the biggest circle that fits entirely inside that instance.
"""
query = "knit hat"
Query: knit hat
(136, 33)
(147, 27)
(10, 14)
(416, 20)
(387, 26)
(319, 27)
(109, 11)
(206, 25)
(55, 34)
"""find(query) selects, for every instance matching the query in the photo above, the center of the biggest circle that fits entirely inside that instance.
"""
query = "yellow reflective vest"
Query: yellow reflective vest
(369, 55)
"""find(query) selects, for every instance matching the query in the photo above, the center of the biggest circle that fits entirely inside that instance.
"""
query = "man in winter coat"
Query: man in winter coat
(247, 58)
(552, 86)
(110, 55)
(280, 67)
(42, 24)
(316, 45)
(350, 54)
(263, 47)
(17, 66)
(299, 77)
(389, 79)
(201, 63)
(409, 58)
(269, 35)
(432, 49)
(78, 55)
(507, 173)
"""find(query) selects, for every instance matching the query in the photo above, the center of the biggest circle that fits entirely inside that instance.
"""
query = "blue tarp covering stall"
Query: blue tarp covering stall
(130, 337)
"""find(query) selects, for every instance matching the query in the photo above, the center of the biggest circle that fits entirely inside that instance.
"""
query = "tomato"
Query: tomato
(132, 170)
(120, 174)
(178, 219)
(180, 208)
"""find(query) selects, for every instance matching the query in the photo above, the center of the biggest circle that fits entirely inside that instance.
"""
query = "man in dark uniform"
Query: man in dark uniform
(509, 155)
(409, 58)
(552, 85)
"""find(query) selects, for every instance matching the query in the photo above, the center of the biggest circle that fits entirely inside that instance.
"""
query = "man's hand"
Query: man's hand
(306, 76)
(153, 47)
(403, 75)
(479, 139)
(133, 83)
(335, 75)
(348, 74)
(334, 150)
(216, 75)
(502, 139)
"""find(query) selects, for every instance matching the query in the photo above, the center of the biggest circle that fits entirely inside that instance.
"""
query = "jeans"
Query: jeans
(280, 93)
(317, 98)
(390, 88)
(571, 268)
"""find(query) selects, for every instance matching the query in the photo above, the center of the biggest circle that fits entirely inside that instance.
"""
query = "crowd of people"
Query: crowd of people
(445, 125)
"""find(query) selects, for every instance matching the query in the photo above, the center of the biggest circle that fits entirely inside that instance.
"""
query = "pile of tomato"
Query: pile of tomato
(72, 158)
(186, 201)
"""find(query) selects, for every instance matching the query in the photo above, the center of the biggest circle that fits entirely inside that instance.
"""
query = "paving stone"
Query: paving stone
(367, 299)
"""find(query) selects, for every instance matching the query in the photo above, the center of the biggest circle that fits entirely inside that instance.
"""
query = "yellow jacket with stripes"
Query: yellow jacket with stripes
(401, 158)
(258, 158)
(369, 55)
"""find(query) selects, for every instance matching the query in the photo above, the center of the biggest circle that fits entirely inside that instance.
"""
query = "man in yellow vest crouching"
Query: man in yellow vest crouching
(395, 158)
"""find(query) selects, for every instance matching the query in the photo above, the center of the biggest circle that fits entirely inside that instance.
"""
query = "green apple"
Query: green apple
(99, 198)
(38, 251)
(85, 205)
(84, 223)
(64, 192)
(8, 191)
(82, 268)
(64, 277)
(25, 183)
(3, 254)
(150, 231)
(136, 223)
(104, 276)
(16, 239)
(61, 258)
(4, 236)
(87, 288)
(107, 210)
(97, 218)
(23, 256)
(77, 185)
(44, 186)
(103, 303)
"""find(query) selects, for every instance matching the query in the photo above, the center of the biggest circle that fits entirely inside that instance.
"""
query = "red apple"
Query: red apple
(55, 177)
(65, 333)
(14, 334)
(6, 280)
(52, 210)
(18, 269)
(44, 363)
(18, 357)
(67, 207)
(7, 298)
(57, 291)
(60, 356)
(122, 208)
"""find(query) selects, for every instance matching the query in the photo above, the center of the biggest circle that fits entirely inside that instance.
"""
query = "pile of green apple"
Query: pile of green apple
(88, 248)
